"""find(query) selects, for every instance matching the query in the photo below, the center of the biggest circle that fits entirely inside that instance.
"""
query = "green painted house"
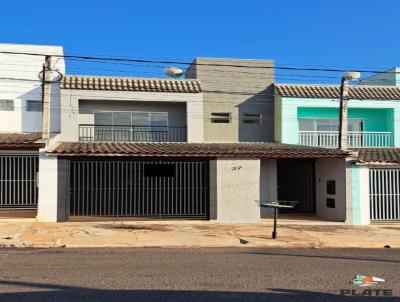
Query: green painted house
(309, 115)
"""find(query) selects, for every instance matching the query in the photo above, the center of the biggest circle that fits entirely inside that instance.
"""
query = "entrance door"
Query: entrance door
(296, 182)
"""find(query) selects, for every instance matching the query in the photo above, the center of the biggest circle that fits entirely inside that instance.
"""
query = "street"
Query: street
(156, 274)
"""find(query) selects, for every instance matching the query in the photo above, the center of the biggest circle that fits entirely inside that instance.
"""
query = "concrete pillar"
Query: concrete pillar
(53, 188)
(268, 184)
(235, 190)
(195, 120)
(358, 212)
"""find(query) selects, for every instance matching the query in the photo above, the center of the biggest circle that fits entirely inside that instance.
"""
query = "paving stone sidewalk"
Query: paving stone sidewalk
(28, 233)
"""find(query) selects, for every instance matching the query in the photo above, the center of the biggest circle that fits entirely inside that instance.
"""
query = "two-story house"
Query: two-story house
(136, 147)
(309, 115)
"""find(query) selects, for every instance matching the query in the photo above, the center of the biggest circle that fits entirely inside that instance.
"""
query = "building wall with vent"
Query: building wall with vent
(236, 90)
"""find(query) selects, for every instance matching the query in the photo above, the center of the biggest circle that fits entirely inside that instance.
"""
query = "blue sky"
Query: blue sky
(343, 33)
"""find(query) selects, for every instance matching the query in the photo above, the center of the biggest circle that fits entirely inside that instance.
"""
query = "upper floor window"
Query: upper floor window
(329, 125)
(252, 118)
(131, 118)
(6, 105)
(34, 106)
(220, 117)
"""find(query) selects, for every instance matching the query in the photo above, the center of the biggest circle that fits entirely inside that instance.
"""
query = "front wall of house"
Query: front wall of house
(235, 190)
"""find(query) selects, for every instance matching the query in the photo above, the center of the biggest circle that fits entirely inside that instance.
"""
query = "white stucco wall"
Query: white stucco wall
(27, 68)
(364, 202)
(53, 188)
(70, 99)
(331, 169)
(235, 190)
(268, 184)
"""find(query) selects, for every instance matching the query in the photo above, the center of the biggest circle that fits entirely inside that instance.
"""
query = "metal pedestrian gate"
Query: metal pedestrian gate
(18, 181)
(384, 194)
(139, 188)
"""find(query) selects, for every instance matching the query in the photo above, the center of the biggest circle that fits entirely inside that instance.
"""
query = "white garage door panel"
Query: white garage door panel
(384, 194)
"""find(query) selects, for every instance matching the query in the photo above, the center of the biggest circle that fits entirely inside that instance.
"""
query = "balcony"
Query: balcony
(330, 139)
(112, 133)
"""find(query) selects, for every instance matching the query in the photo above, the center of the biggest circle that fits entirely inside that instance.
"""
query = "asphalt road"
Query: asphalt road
(163, 275)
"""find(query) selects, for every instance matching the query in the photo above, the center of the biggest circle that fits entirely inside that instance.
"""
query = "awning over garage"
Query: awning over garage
(20, 141)
(229, 150)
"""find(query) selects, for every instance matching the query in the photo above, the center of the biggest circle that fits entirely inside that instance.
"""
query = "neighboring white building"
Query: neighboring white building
(20, 88)
(21, 122)
(390, 77)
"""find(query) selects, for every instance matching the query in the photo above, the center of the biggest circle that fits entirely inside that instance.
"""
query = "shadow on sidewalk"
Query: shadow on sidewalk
(50, 292)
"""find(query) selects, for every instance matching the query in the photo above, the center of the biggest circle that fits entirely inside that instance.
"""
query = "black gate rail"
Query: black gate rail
(18, 181)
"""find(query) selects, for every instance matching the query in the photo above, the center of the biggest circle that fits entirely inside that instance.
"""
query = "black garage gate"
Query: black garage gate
(138, 187)
(18, 181)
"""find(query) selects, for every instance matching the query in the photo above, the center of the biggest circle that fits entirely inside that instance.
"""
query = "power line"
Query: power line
(115, 59)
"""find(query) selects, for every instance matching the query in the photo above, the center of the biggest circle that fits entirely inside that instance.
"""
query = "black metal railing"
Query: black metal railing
(113, 133)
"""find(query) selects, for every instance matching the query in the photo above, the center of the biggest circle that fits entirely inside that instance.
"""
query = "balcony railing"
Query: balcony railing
(330, 139)
(112, 133)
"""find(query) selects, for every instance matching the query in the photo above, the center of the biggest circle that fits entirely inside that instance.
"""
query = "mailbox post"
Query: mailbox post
(276, 205)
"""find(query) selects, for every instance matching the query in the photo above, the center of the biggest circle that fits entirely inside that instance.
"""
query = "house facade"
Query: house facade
(136, 147)
(309, 115)
(211, 146)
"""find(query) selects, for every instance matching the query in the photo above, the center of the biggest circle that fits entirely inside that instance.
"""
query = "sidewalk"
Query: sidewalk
(315, 234)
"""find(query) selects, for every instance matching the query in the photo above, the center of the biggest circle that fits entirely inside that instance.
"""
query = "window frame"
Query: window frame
(221, 117)
(9, 104)
(315, 119)
(252, 118)
(132, 114)
(28, 109)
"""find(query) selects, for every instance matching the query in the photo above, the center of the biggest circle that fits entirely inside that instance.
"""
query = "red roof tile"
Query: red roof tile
(130, 84)
(361, 92)
(243, 150)
(379, 155)
(20, 141)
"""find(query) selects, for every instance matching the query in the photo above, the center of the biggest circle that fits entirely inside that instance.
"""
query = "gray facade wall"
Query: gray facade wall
(236, 90)
(235, 190)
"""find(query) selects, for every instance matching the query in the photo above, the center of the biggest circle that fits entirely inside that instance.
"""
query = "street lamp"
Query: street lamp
(344, 97)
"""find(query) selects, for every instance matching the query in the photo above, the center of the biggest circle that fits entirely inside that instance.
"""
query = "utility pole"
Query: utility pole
(344, 97)
(46, 98)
